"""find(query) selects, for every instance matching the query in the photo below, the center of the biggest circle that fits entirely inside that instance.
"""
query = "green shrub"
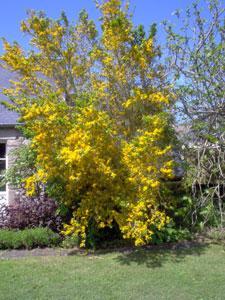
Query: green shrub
(170, 234)
(98, 237)
(28, 238)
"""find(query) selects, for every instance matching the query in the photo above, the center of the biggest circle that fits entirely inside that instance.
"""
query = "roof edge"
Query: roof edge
(10, 125)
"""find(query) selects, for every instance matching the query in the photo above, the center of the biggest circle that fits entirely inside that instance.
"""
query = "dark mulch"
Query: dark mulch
(10, 254)
(7, 254)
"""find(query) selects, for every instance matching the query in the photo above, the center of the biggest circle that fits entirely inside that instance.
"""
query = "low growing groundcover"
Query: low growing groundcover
(194, 273)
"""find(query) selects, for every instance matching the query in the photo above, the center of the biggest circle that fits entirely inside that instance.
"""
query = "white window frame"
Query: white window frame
(4, 194)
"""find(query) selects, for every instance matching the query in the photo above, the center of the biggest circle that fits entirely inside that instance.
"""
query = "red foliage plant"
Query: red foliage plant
(29, 212)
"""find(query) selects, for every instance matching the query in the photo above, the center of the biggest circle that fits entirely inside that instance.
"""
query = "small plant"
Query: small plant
(30, 212)
(28, 238)
(170, 234)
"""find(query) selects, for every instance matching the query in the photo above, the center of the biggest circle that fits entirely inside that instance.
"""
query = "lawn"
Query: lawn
(196, 273)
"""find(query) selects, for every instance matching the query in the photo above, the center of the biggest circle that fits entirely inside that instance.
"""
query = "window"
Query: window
(2, 165)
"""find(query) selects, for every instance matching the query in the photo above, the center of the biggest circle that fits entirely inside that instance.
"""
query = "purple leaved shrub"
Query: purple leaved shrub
(30, 212)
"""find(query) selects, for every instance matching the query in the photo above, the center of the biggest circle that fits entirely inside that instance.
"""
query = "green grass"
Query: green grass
(197, 273)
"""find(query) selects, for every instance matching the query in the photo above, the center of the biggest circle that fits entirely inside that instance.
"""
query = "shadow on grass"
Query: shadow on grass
(154, 257)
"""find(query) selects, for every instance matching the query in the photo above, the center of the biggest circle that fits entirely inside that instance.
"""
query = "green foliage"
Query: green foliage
(28, 238)
(22, 167)
(98, 237)
(187, 212)
(181, 213)
(207, 215)
(170, 234)
(139, 35)
(153, 30)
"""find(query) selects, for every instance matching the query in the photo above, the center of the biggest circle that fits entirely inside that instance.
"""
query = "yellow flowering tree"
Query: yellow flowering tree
(59, 61)
(130, 82)
(97, 114)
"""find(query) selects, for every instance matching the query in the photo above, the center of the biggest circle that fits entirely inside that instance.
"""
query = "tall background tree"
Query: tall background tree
(196, 53)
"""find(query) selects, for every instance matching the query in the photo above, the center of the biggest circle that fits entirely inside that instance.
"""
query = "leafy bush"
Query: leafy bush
(170, 234)
(22, 167)
(28, 238)
(29, 212)
(98, 237)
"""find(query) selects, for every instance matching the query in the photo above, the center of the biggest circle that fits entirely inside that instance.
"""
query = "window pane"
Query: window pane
(2, 186)
(2, 166)
(2, 150)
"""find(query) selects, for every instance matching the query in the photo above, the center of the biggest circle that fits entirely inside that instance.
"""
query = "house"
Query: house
(10, 137)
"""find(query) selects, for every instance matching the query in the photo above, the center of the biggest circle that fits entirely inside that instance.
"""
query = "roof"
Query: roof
(8, 118)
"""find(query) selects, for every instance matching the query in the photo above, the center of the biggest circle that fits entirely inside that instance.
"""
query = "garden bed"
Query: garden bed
(7, 254)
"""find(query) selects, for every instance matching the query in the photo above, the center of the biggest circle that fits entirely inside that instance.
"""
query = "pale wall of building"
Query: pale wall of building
(12, 139)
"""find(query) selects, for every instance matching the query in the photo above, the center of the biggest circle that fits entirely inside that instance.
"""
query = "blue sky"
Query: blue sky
(145, 12)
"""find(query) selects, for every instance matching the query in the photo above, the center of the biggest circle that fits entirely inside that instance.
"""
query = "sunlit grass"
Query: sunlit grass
(196, 273)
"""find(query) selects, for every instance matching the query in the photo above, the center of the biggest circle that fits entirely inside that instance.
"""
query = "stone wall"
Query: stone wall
(13, 139)
(11, 144)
